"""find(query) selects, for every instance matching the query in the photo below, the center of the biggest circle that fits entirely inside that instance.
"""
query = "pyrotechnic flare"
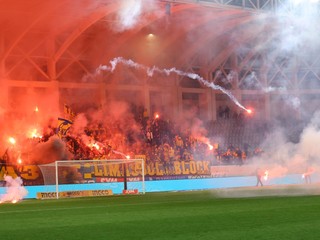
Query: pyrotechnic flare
(12, 140)
(19, 160)
(94, 145)
(35, 134)
(266, 175)
(205, 141)
(120, 153)
(151, 70)
(307, 175)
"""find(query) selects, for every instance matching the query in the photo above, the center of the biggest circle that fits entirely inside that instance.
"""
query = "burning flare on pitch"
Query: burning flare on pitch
(15, 191)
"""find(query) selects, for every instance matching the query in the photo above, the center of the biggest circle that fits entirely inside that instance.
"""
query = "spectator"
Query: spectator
(259, 174)
(220, 112)
(149, 136)
(227, 112)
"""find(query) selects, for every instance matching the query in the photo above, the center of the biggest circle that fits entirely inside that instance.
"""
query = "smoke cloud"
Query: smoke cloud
(281, 156)
(131, 13)
(15, 191)
(48, 152)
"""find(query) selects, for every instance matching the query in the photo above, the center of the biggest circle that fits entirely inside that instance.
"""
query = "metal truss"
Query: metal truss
(257, 5)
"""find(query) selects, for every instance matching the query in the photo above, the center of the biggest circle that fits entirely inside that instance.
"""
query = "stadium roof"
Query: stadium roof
(62, 38)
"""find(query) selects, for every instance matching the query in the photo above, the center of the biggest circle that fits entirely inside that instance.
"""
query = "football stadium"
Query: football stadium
(159, 119)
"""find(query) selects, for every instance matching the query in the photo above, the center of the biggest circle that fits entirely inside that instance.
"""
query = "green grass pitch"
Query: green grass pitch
(176, 215)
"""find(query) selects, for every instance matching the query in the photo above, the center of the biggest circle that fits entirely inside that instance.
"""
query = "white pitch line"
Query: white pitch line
(71, 208)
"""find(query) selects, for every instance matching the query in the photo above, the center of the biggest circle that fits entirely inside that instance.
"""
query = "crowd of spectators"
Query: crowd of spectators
(224, 112)
(158, 139)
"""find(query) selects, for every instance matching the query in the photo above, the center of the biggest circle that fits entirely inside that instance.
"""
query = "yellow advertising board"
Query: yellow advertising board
(73, 194)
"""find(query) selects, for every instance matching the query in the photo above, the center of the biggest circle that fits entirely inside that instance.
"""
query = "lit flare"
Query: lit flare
(12, 140)
(266, 175)
(34, 133)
